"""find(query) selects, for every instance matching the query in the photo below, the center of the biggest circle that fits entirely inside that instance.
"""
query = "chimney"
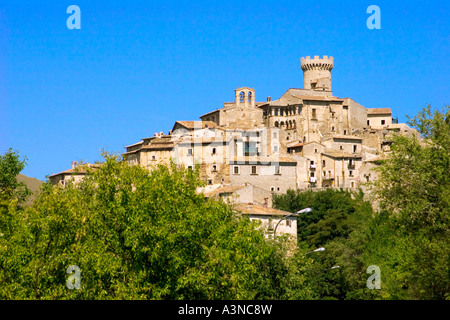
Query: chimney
(74, 164)
(269, 99)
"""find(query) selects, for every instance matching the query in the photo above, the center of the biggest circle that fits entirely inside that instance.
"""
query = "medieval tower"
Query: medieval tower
(317, 72)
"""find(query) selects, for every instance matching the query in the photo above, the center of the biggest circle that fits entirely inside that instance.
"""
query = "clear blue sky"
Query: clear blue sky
(136, 67)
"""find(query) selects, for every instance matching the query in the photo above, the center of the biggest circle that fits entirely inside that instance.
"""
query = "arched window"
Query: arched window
(293, 123)
(249, 97)
(290, 124)
(276, 124)
(242, 96)
(282, 124)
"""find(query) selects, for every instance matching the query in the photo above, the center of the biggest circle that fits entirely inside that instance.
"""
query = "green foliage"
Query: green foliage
(335, 215)
(414, 190)
(10, 188)
(408, 238)
(137, 234)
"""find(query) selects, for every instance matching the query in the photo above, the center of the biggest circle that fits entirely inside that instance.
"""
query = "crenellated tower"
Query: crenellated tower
(317, 72)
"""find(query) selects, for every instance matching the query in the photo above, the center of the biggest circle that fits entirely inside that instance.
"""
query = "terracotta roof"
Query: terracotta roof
(135, 144)
(379, 111)
(250, 208)
(321, 98)
(341, 136)
(211, 112)
(299, 144)
(341, 154)
(80, 169)
(155, 146)
(196, 124)
(225, 189)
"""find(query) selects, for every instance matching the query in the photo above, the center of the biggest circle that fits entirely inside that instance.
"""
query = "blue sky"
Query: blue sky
(136, 67)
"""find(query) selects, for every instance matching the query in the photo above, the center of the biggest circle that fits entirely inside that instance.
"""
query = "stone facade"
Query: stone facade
(308, 138)
(314, 138)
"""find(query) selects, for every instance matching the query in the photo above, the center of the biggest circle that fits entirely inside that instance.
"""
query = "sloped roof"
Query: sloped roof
(196, 124)
(340, 154)
(343, 137)
(379, 111)
(80, 169)
(224, 189)
(255, 209)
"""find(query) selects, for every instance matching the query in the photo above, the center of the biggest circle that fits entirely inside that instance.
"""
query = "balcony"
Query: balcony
(312, 166)
(312, 179)
(351, 166)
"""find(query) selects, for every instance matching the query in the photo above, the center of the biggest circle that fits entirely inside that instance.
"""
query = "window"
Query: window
(312, 162)
(288, 223)
(189, 152)
(383, 122)
(275, 134)
(278, 188)
(210, 181)
(213, 150)
(314, 114)
(249, 97)
(340, 147)
(241, 96)
(189, 167)
(275, 149)
(350, 173)
(312, 174)
(253, 169)
(236, 169)
(272, 189)
(315, 150)
(214, 168)
(323, 163)
(353, 184)
(276, 111)
(277, 170)
(299, 109)
(281, 112)
(355, 148)
(345, 132)
(332, 129)
(153, 157)
(368, 122)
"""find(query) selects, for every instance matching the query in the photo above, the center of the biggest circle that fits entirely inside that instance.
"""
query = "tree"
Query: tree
(413, 189)
(137, 234)
(335, 215)
(10, 167)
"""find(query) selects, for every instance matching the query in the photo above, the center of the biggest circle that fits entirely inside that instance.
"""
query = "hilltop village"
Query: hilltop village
(247, 150)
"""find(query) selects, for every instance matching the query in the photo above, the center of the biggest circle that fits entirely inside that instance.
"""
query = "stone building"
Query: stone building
(307, 138)
(75, 174)
(312, 138)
